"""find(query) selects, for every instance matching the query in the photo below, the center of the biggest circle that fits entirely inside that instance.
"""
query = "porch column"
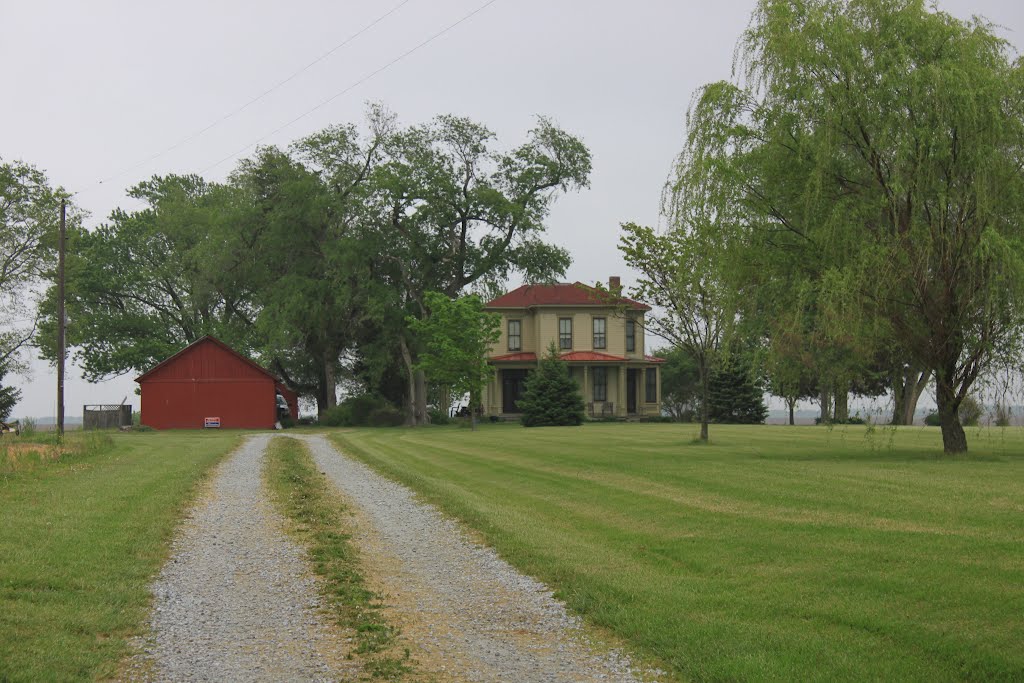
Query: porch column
(657, 384)
(620, 406)
(587, 396)
(496, 393)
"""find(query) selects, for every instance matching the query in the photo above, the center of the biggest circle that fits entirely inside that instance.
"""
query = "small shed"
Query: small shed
(208, 379)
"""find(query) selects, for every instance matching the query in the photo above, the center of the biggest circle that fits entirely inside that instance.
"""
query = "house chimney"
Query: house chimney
(615, 284)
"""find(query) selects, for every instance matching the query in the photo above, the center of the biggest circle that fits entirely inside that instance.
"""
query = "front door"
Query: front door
(512, 383)
(631, 382)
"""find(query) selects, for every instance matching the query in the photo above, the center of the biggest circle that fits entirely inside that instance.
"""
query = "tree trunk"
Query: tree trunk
(906, 391)
(918, 382)
(825, 399)
(705, 378)
(954, 440)
(445, 400)
(326, 387)
(899, 401)
(791, 402)
(330, 382)
(422, 417)
(410, 398)
(842, 411)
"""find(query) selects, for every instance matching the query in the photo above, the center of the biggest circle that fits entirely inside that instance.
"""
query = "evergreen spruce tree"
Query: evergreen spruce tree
(734, 397)
(551, 396)
(9, 396)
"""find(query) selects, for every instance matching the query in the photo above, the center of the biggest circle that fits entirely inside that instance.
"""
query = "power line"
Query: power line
(352, 86)
(259, 97)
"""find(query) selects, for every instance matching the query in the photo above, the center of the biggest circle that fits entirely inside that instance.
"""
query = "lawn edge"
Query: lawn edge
(645, 665)
(133, 655)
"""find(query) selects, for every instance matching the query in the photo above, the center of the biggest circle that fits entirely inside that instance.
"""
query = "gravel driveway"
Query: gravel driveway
(236, 601)
(465, 612)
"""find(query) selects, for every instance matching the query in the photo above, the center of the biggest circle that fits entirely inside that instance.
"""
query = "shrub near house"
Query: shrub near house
(551, 397)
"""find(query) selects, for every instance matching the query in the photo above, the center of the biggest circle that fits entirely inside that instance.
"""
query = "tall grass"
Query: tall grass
(32, 450)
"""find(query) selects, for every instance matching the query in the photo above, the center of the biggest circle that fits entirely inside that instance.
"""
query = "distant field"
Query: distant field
(786, 553)
(80, 539)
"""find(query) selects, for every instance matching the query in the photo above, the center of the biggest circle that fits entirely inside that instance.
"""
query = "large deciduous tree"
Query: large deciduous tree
(878, 148)
(143, 285)
(454, 214)
(301, 249)
(29, 218)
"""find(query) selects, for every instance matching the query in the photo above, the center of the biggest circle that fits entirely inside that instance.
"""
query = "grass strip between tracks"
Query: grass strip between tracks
(319, 522)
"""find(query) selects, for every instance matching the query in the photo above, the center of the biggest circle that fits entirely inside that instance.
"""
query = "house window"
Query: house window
(565, 333)
(515, 335)
(599, 336)
(630, 336)
(600, 384)
(651, 385)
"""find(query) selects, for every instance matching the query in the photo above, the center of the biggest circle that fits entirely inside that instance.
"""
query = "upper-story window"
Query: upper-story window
(565, 333)
(515, 335)
(600, 338)
(630, 335)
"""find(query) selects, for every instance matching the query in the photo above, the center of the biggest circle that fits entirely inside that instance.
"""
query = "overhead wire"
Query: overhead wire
(231, 114)
(351, 87)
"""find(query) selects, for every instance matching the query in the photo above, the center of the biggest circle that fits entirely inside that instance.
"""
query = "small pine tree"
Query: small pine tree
(735, 397)
(9, 396)
(551, 396)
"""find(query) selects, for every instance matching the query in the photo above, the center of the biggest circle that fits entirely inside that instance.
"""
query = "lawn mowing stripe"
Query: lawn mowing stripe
(80, 541)
(881, 584)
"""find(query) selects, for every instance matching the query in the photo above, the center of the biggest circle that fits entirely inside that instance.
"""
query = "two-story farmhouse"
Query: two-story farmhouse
(602, 341)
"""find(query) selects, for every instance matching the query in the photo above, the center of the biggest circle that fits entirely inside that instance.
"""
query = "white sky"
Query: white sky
(92, 90)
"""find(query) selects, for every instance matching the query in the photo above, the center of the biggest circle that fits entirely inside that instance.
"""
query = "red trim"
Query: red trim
(524, 357)
(654, 359)
(592, 356)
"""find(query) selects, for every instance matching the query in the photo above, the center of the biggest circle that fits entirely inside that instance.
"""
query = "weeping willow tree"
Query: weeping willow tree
(876, 149)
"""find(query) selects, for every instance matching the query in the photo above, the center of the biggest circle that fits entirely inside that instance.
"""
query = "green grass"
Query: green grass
(319, 521)
(774, 553)
(81, 537)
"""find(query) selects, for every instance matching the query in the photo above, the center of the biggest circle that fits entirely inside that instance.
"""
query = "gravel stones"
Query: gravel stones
(236, 601)
(465, 612)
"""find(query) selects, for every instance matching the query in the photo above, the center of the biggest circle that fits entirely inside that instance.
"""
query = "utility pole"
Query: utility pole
(60, 321)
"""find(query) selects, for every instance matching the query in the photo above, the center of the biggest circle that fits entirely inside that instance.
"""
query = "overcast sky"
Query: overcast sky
(93, 90)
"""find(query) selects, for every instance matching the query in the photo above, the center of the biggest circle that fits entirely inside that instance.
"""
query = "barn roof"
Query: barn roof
(561, 294)
(211, 340)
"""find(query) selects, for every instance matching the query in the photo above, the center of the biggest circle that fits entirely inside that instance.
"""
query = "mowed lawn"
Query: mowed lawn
(80, 540)
(775, 553)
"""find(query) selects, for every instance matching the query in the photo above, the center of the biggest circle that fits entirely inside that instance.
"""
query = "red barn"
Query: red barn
(209, 379)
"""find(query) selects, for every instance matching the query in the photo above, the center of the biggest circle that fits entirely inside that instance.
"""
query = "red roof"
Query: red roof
(208, 340)
(561, 294)
(654, 359)
(592, 356)
(520, 357)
